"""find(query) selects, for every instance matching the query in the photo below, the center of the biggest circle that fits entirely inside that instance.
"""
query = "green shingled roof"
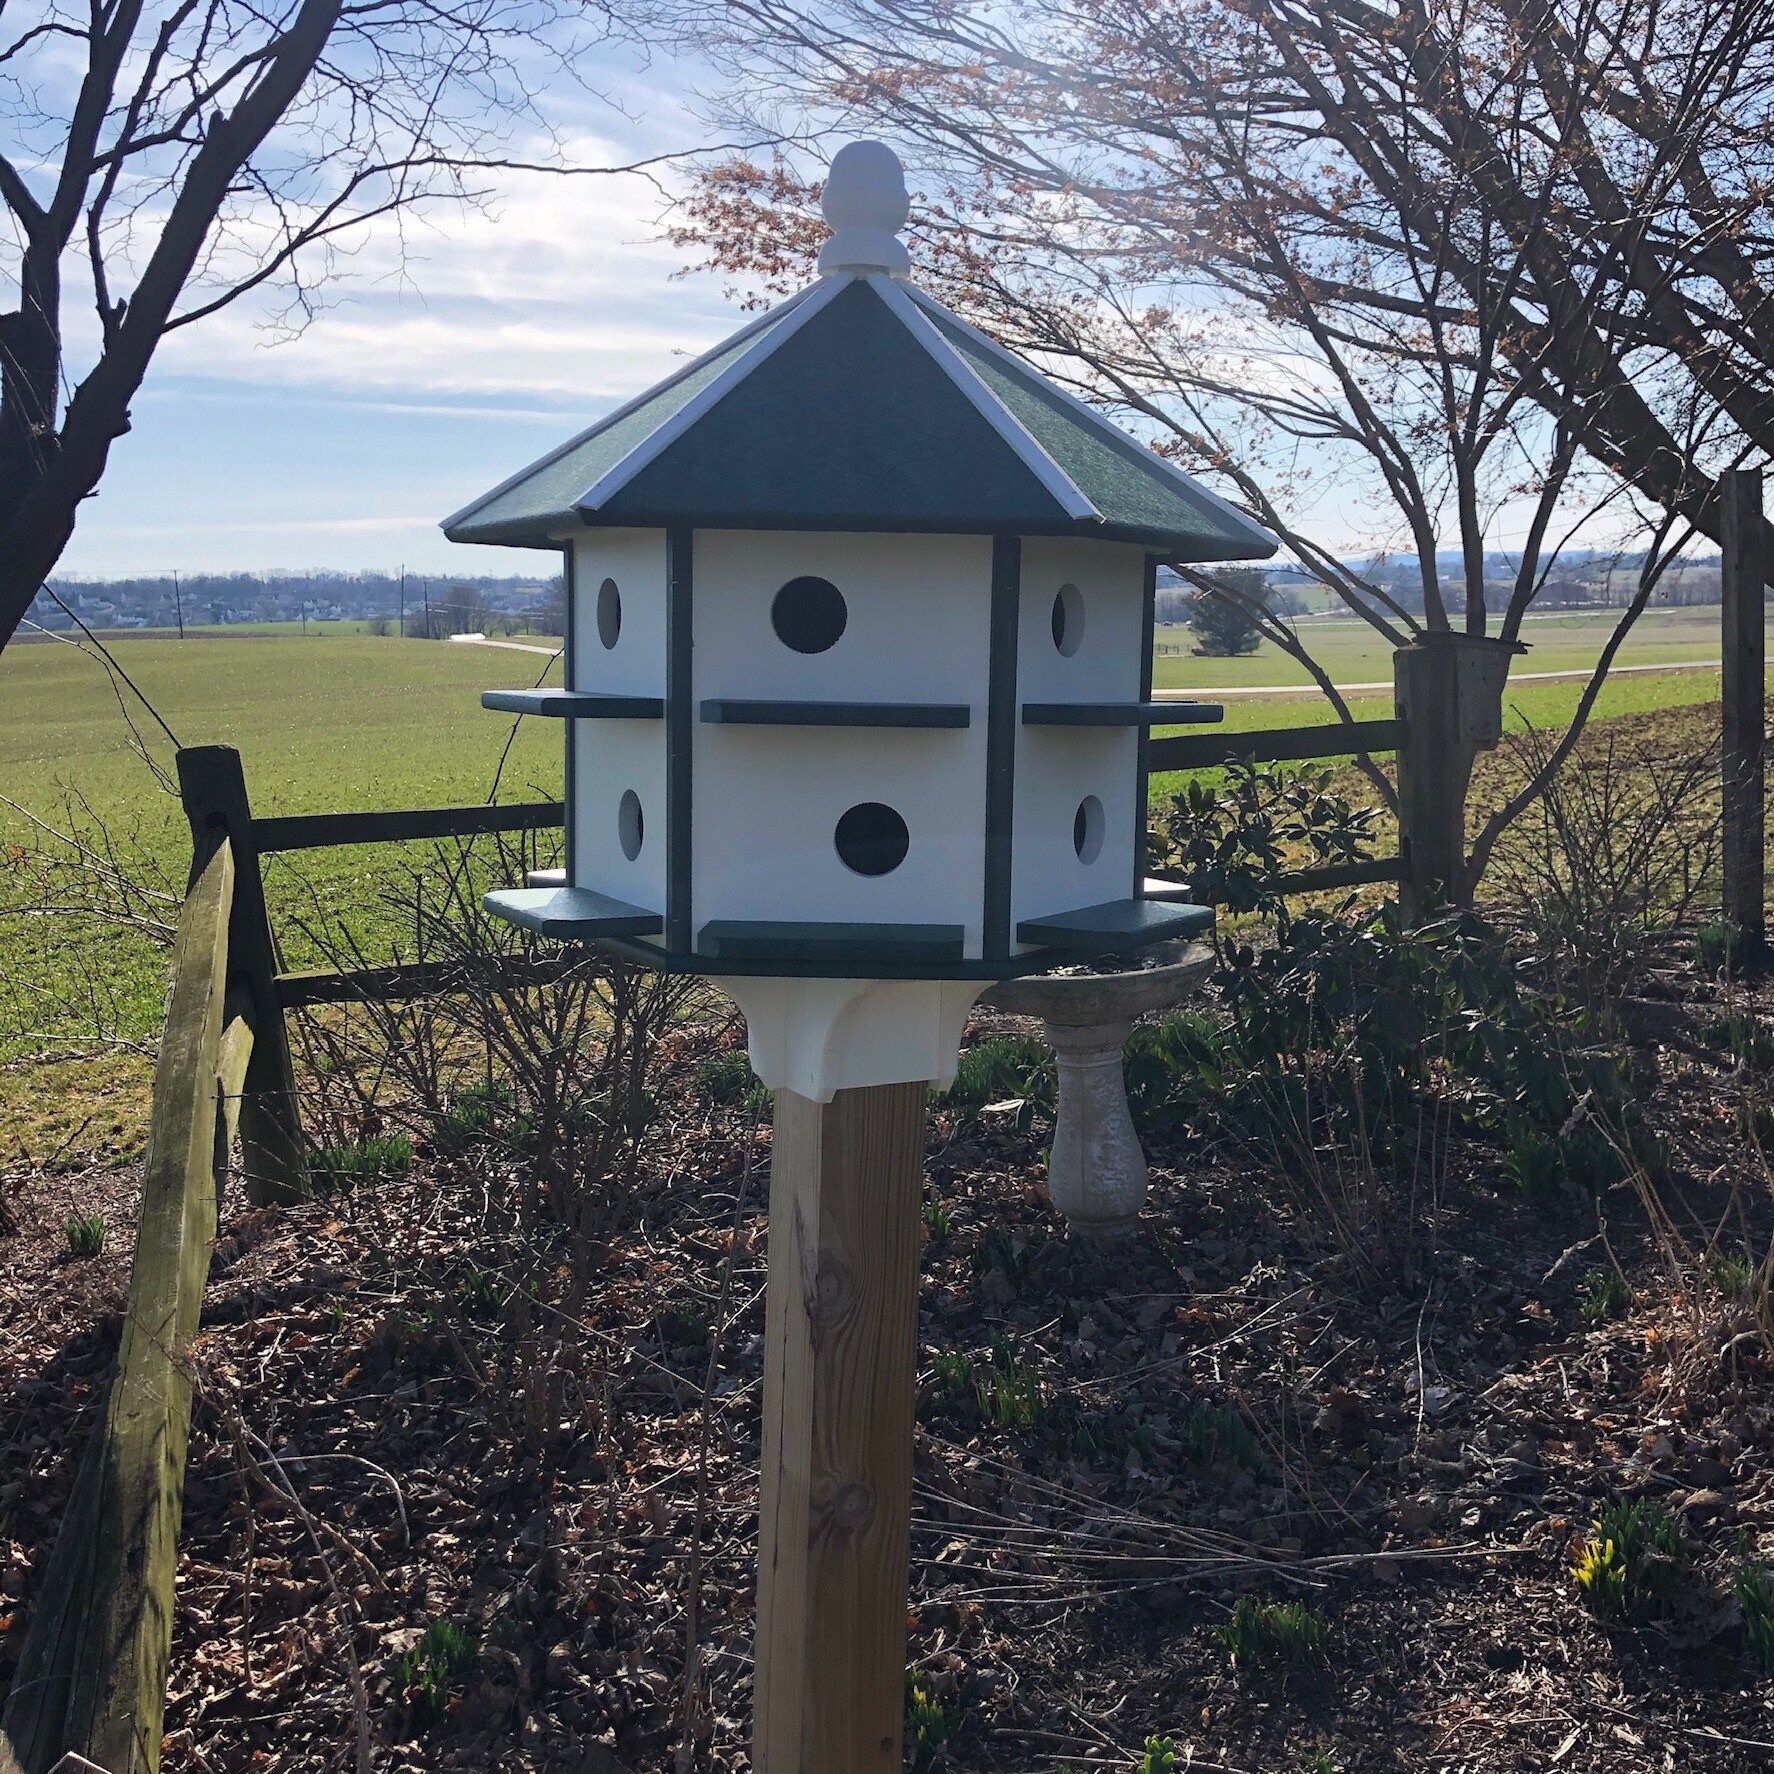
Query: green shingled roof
(862, 405)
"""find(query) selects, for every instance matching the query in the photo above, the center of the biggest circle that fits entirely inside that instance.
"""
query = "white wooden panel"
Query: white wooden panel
(614, 757)
(768, 800)
(635, 560)
(1110, 578)
(1056, 767)
(611, 757)
(919, 614)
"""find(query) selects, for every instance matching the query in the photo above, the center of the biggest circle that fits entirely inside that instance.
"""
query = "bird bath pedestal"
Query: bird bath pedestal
(1096, 1171)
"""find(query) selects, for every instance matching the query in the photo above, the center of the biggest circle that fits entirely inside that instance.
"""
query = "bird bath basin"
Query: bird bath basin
(1096, 1171)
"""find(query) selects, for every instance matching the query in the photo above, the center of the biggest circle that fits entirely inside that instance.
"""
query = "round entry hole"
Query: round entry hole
(1087, 829)
(872, 839)
(609, 613)
(631, 825)
(809, 614)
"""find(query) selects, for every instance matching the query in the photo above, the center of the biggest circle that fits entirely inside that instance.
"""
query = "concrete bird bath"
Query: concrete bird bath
(1096, 1171)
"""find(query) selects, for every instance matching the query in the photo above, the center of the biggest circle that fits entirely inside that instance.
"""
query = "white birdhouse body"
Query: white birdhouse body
(859, 659)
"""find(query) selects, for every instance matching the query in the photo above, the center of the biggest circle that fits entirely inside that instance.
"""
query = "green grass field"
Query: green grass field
(1354, 653)
(344, 721)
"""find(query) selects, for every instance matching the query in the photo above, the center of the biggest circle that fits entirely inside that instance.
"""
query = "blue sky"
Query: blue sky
(423, 382)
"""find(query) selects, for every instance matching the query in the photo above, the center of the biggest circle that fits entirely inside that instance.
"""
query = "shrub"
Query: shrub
(1006, 1068)
(1231, 839)
(1212, 1432)
(1627, 1568)
(728, 1081)
(85, 1233)
(1272, 1632)
(334, 1169)
(1753, 1590)
(927, 1723)
(1745, 1036)
(446, 1655)
(1603, 1294)
(1619, 846)
(1158, 1757)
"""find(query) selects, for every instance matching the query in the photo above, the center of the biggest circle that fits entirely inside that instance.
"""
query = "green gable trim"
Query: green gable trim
(577, 705)
(761, 939)
(574, 912)
(862, 405)
(848, 419)
(729, 711)
(1118, 924)
(1128, 484)
(1120, 714)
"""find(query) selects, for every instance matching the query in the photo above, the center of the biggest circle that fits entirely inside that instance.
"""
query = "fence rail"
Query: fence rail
(320, 831)
(1273, 745)
(92, 1677)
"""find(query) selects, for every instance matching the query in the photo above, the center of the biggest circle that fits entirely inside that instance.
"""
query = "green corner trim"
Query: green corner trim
(749, 939)
(738, 712)
(571, 912)
(1121, 714)
(576, 705)
(1117, 924)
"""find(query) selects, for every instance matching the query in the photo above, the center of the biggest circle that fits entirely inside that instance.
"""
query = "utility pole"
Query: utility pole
(426, 583)
(178, 602)
(403, 602)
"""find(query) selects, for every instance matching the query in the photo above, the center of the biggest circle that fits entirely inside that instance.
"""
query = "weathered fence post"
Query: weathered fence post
(1448, 691)
(840, 1377)
(92, 1677)
(213, 788)
(1743, 573)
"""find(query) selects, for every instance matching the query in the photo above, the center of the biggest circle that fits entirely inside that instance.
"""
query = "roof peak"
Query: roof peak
(866, 205)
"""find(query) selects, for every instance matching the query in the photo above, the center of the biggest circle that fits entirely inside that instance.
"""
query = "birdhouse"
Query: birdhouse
(858, 661)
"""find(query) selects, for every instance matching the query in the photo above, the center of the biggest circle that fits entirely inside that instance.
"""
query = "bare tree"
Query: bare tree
(162, 159)
(1349, 262)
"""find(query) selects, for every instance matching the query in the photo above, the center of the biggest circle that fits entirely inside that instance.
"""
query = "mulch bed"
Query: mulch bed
(413, 1411)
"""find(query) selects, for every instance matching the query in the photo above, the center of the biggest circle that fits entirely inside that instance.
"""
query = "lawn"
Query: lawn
(334, 722)
(343, 721)
(1355, 654)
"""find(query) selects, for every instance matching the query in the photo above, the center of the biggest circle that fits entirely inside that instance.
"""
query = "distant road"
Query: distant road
(1217, 691)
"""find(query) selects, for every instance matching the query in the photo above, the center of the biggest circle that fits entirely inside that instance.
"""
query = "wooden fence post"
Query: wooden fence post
(92, 1676)
(213, 788)
(840, 1376)
(1743, 573)
(1448, 691)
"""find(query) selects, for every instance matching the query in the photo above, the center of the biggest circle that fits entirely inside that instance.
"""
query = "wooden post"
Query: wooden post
(213, 788)
(1448, 692)
(840, 1374)
(1743, 573)
(1431, 786)
(92, 1676)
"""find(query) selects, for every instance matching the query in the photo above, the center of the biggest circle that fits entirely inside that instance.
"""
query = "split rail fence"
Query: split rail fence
(91, 1682)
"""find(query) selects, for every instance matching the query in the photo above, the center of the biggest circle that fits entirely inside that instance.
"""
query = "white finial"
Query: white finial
(866, 204)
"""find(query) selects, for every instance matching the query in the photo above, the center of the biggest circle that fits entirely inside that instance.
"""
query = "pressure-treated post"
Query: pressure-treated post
(213, 788)
(1743, 573)
(839, 1380)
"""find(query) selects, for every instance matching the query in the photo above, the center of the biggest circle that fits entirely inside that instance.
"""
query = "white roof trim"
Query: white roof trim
(995, 413)
(661, 439)
(769, 318)
(1163, 464)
